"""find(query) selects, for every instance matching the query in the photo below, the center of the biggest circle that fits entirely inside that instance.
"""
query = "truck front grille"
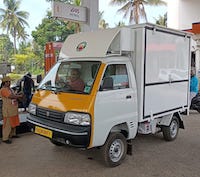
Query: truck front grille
(50, 114)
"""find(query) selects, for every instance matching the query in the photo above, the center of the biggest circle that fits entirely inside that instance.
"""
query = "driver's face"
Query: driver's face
(74, 75)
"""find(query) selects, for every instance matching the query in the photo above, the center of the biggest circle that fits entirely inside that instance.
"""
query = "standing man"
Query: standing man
(28, 87)
(9, 110)
(194, 85)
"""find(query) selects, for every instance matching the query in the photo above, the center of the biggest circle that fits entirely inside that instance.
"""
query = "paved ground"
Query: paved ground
(35, 156)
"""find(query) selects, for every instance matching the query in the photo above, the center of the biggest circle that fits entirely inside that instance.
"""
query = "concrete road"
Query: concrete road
(34, 156)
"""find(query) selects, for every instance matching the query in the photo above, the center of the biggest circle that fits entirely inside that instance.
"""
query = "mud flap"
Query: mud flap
(129, 147)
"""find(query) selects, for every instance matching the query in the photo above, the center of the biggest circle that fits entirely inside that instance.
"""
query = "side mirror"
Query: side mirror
(39, 78)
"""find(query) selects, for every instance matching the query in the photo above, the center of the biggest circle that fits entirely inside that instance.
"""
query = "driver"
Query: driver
(75, 82)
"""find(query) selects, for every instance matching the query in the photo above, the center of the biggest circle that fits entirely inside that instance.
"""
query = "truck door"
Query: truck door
(116, 102)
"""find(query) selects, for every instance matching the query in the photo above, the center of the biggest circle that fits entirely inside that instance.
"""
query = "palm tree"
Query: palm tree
(22, 34)
(12, 19)
(135, 9)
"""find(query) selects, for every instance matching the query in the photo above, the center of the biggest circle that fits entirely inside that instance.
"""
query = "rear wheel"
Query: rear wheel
(170, 132)
(114, 150)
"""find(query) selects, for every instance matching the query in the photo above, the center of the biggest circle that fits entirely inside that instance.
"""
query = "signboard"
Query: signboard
(5, 68)
(68, 11)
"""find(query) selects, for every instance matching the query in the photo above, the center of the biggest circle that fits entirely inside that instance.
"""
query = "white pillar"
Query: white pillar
(198, 60)
(196, 48)
(92, 15)
(173, 13)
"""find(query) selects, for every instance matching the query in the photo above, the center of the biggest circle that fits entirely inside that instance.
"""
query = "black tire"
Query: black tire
(56, 142)
(114, 150)
(170, 132)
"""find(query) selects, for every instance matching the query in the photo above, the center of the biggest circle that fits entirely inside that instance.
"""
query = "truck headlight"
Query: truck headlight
(32, 109)
(77, 118)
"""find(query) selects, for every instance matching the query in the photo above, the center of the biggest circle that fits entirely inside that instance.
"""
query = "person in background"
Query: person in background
(75, 82)
(194, 85)
(9, 111)
(28, 87)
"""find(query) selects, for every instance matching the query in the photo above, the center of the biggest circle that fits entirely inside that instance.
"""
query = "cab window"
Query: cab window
(115, 77)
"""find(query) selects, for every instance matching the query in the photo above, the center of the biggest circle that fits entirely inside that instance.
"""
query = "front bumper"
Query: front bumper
(74, 135)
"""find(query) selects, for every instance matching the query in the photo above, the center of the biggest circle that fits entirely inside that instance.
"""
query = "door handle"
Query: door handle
(128, 97)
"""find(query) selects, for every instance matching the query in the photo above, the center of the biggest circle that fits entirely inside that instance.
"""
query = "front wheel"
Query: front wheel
(114, 150)
(170, 132)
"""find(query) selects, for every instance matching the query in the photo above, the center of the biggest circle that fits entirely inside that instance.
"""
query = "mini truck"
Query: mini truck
(136, 80)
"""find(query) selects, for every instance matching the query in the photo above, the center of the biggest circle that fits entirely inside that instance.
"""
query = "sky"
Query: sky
(37, 11)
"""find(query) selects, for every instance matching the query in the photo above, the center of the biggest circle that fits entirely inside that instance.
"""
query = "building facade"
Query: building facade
(185, 15)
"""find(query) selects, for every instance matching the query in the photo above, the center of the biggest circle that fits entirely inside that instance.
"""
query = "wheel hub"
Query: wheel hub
(116, 150)
(173, 128)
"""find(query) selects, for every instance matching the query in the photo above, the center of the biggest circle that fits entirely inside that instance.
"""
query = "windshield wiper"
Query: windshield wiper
(49, 87)
(60, 89)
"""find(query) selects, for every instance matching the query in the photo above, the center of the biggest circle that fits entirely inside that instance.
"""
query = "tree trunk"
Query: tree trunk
(15, 45)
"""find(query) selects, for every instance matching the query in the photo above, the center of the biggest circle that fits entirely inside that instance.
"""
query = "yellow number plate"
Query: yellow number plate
(43, 131)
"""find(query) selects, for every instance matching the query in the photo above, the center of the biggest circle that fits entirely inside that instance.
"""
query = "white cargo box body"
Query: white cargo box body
(162, 60)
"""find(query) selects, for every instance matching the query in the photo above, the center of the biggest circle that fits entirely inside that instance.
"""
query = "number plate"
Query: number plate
(43, 131)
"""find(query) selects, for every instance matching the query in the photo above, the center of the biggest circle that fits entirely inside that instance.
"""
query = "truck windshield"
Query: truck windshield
(71, 76)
